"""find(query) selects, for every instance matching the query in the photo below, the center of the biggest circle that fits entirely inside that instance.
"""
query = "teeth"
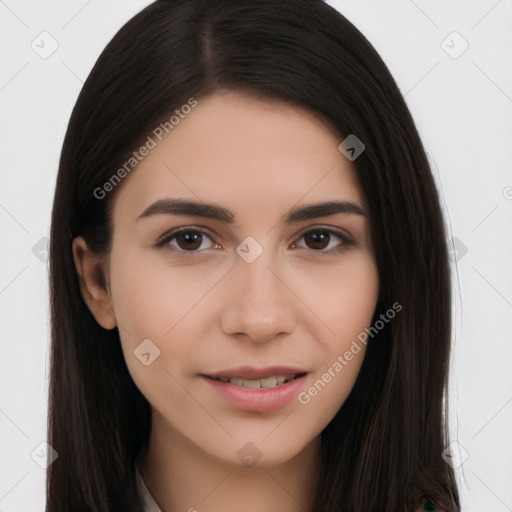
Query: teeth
(267, 382)
(251, 383)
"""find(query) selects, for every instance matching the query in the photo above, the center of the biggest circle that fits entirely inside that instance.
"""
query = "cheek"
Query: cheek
(149, 296)
(154, 301)
(345, 301)
(343, 296)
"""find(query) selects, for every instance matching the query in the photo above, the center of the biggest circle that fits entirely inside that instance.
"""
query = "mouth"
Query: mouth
(257, 389)
(268, 382)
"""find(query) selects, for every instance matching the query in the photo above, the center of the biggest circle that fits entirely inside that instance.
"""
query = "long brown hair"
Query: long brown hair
(383, 448)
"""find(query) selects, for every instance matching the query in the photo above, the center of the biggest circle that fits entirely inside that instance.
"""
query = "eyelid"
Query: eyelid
(332, 231)
(173, 232)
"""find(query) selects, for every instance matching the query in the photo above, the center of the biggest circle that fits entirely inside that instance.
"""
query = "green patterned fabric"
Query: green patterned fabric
(428, 506)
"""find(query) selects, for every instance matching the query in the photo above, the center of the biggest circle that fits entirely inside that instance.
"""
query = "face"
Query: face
(268, 291)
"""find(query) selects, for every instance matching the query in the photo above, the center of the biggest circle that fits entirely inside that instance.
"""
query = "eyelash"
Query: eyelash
(346, 241)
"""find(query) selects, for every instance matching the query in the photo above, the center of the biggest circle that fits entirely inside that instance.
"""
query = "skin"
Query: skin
(296, 304)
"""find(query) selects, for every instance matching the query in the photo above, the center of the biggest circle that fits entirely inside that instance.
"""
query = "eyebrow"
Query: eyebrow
(213, 211)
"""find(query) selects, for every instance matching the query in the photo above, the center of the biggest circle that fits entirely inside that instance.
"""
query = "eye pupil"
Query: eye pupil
(190, 237)
(317, 237)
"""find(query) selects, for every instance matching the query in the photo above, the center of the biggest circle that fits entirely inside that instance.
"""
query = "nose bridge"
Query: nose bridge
(260, 305)
(259, 280)
(254, 263)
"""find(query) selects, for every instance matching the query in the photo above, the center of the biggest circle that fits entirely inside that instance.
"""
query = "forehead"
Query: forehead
(243, 152)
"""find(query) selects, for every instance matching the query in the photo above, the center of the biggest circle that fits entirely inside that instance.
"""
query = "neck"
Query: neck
(183, 477)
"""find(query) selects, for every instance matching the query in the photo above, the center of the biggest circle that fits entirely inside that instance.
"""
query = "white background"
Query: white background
(463, 110)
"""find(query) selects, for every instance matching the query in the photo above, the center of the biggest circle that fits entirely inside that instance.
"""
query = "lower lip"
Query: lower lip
(258, 400)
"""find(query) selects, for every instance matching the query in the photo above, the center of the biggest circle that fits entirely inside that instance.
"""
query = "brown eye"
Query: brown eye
(326, 240)
(317, 239)
(189, 240)
(186, 240)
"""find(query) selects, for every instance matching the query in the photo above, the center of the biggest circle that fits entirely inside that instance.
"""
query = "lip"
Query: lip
(258, 400)
(251, 372)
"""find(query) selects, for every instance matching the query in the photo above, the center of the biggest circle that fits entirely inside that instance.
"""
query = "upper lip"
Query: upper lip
(250, 372)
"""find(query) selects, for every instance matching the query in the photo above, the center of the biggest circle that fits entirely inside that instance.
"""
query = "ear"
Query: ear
(93, 275)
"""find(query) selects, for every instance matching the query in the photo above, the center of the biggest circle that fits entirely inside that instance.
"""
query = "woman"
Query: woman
(249, 274)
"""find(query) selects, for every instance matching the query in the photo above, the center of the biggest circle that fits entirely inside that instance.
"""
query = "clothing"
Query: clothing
(150, 504)
(148, 501)
(428, 506)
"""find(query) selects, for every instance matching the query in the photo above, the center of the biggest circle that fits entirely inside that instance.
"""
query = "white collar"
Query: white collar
(148, 501)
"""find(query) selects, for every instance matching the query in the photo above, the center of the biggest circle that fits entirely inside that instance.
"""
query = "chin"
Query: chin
(250, 451)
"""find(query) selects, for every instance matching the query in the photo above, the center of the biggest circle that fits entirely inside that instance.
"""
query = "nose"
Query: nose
(259, 303)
